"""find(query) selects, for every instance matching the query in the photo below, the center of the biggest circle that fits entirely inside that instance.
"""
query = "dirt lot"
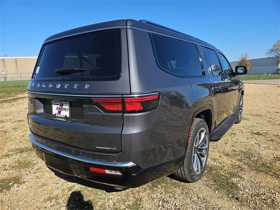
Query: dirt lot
(243, 170)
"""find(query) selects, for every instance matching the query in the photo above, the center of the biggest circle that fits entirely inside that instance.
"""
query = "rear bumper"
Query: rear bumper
(132, 175)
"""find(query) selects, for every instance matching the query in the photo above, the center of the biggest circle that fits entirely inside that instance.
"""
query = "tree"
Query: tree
(275, 50)
(244, 61)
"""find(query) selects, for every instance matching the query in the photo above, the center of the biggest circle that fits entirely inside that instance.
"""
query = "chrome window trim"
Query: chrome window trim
(88, 96)
(71, 95)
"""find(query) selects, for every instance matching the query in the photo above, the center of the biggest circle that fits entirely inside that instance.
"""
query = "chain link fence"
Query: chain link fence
(257, 70)
(14, 76)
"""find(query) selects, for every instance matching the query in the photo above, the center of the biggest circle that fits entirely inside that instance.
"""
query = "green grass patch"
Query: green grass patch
(24, 164)
(259, 163)
(223, 180)
(259, 77)
(158, 182)
(10, 91)
(15, 151)
(15, 83)
(10, 88)
(7, 183)
(135, 206)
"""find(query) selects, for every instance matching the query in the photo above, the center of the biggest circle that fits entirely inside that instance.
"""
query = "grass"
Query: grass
(158, 182)
(259, 77)
(14, 83)
(11, 88)
(259, 164)
(18, 151)
(24, 164)
(7, 183)
(135, 206)
(223, 180)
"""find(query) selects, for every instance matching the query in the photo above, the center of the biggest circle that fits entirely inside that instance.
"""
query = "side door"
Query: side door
(235, 83)
(221, 87)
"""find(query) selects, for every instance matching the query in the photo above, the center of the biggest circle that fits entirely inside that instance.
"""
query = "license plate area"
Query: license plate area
(61, 108)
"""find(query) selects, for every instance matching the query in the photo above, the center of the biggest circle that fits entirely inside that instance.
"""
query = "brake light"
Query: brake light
(110, 104)
(141, 103)
(128, 104)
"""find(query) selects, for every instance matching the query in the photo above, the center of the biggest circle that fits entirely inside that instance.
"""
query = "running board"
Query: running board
(218, 133)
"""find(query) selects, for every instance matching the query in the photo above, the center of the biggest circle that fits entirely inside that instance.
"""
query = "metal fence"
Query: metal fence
(15, 76)
(257, 70)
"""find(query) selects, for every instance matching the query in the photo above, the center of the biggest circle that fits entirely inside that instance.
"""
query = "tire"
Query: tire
(196, 154)
(239, 111)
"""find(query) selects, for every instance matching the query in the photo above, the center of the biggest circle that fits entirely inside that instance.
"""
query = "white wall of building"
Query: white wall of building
(16, 68)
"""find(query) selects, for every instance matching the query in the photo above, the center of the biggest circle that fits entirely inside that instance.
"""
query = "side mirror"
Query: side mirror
(239, 70)
(215, 69)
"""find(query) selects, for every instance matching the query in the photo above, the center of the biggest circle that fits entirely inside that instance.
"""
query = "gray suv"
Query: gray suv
(125, 102)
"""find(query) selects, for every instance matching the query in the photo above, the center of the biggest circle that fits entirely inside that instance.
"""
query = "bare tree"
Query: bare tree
(244, 61)
(275, 50)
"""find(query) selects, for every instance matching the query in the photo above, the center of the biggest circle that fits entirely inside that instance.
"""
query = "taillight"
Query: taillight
(109, 104)
(140, 103)
(127, 104)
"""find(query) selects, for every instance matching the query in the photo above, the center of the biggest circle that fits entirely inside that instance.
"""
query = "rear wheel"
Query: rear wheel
(197, 153)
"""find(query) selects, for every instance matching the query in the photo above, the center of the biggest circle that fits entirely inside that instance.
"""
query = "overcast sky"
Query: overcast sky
(234, 26)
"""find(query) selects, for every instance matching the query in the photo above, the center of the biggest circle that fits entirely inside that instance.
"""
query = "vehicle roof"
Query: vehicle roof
(128, 23)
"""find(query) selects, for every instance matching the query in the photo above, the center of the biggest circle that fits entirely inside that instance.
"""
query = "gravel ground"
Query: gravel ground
(243, 169)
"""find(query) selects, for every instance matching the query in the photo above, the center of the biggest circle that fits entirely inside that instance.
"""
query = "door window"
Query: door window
(225, 64)
(215, 67)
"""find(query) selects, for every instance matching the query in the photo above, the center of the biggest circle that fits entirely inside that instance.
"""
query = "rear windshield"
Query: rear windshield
(92, 56)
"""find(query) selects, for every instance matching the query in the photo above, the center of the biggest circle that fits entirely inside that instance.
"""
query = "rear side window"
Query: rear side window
(177, 57)
(92, 56)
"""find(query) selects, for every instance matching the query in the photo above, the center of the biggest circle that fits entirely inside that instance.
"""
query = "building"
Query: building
(16, 68)
(267, 65)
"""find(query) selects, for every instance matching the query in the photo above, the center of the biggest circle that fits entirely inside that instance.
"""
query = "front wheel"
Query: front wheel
(239, 112)
(197, 153)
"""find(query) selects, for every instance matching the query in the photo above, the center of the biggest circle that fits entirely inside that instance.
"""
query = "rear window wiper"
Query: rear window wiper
(69, 71)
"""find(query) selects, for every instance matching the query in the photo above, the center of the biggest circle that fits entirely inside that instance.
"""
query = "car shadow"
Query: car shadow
(76, 201)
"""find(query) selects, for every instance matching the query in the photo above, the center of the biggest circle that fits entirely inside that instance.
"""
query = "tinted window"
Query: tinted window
(177, 57)
(213, 61)
(225, 64)
(94, 56)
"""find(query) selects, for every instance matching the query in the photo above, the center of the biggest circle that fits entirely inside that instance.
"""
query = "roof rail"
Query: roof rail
(164, 27)
(161, 26)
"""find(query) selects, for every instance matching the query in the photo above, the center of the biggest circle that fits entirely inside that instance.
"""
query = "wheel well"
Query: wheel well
(206, 115)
